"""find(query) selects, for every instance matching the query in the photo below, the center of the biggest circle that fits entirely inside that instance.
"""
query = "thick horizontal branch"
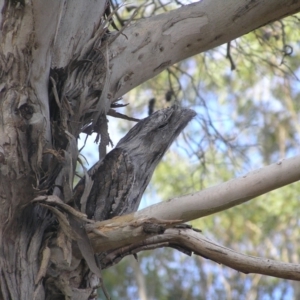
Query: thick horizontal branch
(227, 194)
(151, 45)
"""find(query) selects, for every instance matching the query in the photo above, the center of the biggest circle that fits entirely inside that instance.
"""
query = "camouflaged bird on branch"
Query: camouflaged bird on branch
(120, 179)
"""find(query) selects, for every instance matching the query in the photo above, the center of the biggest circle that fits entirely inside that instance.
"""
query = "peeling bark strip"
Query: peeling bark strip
(122, 177)
(36, 122)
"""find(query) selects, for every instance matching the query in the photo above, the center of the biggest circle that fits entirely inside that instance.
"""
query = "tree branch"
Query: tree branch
(125, 230)
(173, 36)
(197, 243)
(152, 227)
(227, 194)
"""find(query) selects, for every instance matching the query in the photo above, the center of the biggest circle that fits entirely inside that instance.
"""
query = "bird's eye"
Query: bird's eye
(162, 125)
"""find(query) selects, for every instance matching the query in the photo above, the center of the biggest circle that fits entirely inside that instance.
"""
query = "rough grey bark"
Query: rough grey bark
(120, 180)
(39, 105)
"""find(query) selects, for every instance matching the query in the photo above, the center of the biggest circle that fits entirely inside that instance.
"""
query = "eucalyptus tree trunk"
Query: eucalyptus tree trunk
(53, 70)
(60, 72)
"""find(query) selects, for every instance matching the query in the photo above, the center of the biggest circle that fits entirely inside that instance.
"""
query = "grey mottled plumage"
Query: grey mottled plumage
(122, 177)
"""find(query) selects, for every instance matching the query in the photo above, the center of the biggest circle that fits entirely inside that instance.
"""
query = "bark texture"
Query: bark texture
(60, 72)
(42, 46)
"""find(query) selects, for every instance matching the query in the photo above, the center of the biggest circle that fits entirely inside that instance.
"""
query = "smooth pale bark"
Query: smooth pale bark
(151, 45)
(228, 194)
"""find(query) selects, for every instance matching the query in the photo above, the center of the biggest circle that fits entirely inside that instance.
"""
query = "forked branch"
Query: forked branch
(191, 241)
(127, 229)
(126, 234)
